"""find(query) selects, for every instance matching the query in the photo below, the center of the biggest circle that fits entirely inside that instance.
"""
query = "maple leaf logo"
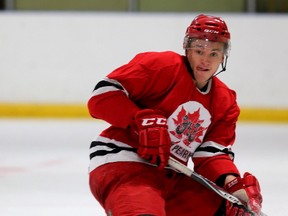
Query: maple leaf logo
(188, 127)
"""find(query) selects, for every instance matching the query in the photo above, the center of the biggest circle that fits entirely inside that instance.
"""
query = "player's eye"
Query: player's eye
(198, 51)
(214, 54)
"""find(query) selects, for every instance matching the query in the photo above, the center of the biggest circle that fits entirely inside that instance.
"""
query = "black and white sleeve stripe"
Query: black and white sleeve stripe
(210, 149)
(108, 85)
(105, 148)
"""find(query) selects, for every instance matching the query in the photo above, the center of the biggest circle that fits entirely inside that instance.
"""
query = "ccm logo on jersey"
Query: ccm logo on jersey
(154, 121)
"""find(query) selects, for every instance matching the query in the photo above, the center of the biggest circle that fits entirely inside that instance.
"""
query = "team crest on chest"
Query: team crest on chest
(187, 127)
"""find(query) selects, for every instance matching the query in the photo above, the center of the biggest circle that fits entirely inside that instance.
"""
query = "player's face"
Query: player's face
(204, 58)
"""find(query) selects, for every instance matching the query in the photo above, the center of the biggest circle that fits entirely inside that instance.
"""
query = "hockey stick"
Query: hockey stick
(209, 184)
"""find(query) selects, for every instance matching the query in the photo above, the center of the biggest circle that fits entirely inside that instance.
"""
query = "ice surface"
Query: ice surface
(44, 166)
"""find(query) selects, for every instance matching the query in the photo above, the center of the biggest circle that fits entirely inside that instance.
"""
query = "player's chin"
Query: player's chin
(202, 76)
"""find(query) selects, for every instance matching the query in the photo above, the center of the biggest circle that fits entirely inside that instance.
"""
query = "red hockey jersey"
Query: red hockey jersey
(201, 124)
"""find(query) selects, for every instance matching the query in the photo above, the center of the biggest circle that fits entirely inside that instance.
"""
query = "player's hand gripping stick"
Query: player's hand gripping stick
(231, 200)
(247, 189)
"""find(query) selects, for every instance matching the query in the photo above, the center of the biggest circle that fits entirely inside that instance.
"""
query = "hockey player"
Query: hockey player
(163, 104)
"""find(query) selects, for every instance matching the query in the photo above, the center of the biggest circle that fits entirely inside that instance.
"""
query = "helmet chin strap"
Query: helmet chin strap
(223, 64)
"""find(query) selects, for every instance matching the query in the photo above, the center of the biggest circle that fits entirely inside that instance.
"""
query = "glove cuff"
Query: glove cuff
(147, 112)
(234, 185)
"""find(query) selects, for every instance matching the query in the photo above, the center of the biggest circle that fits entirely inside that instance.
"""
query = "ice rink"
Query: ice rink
(44, 166)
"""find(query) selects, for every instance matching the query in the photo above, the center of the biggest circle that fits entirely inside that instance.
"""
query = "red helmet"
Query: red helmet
(207, 27)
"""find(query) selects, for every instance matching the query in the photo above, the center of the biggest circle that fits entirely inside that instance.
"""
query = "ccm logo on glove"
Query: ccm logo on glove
(154, 121)
(154, 140)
